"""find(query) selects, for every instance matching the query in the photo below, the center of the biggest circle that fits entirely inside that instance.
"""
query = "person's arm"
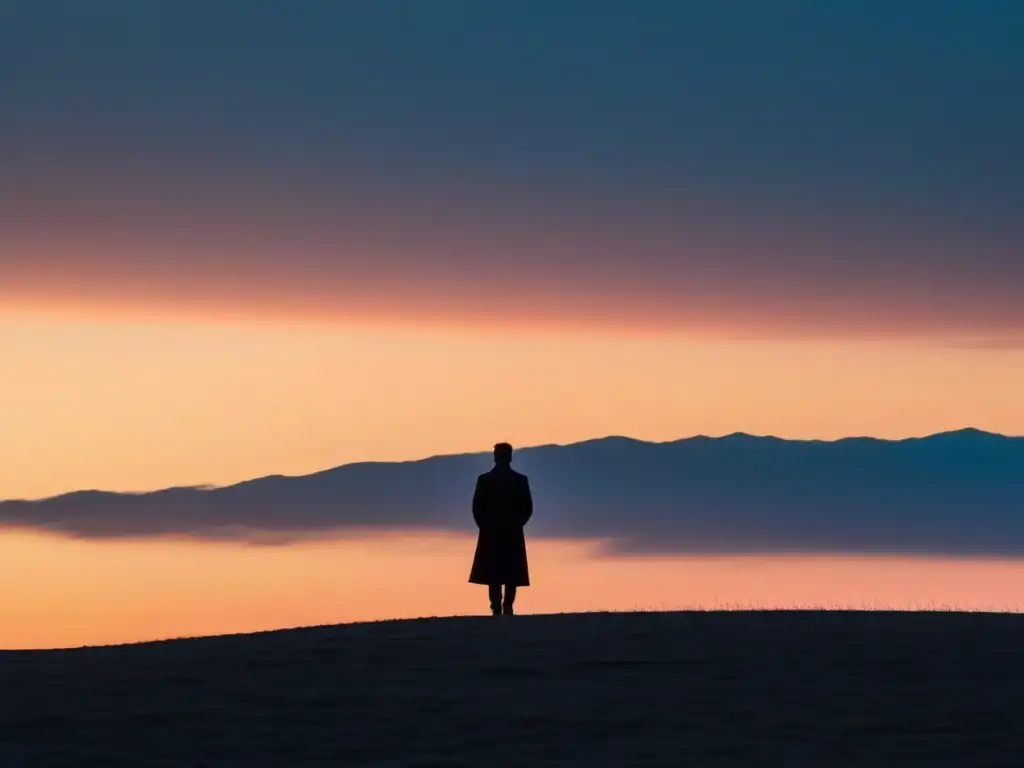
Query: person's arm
(478, 502)
(527, 501)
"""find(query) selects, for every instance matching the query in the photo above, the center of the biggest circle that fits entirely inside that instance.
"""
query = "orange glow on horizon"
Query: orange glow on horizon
(138, 406)
(61, 593)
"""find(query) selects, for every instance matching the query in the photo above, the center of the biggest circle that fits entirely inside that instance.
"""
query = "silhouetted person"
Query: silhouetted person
(502, 505)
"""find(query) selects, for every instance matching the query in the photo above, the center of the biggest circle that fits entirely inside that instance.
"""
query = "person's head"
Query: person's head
(503, 454)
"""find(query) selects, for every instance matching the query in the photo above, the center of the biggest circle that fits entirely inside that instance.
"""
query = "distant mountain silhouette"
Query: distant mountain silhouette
(952, 493)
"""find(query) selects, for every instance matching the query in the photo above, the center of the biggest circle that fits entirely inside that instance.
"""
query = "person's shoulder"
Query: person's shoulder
(519, 476)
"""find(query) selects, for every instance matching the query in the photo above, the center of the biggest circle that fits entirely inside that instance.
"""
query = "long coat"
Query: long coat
(502, 505)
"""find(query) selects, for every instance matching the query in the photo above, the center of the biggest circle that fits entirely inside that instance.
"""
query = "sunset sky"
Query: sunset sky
(251, 237)
(244, 238)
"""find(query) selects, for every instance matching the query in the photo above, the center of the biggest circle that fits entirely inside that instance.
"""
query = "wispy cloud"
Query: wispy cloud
(1010, 343)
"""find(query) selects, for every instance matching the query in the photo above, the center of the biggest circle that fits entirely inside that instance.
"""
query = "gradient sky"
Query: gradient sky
(239, 238)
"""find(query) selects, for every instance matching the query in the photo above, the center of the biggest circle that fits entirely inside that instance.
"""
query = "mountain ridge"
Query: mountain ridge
(951, 492)
(965, 432)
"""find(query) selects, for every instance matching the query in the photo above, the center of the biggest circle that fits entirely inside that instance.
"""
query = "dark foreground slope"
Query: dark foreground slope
(672, 689)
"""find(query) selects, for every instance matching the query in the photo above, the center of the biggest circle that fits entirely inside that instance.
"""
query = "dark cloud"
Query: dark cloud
(867, 98)
(613, 143)
(956, 493)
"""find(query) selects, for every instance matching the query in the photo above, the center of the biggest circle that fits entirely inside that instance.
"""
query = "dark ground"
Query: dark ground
(666, 689)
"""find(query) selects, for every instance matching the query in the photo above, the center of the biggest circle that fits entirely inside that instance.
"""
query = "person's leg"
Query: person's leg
(494, 592)
(510, 598)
